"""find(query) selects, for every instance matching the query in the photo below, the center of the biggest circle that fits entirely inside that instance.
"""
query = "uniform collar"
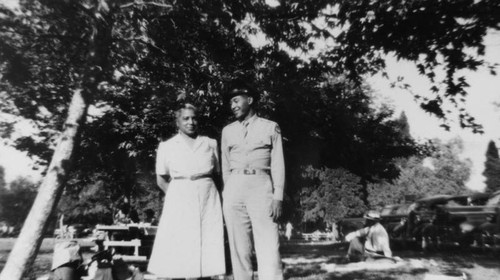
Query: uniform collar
(250, 120)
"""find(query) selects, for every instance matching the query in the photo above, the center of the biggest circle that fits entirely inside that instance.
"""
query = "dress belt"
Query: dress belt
(193, 177)
(250, 171)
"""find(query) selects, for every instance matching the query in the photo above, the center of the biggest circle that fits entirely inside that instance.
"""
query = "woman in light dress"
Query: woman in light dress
(189, 241)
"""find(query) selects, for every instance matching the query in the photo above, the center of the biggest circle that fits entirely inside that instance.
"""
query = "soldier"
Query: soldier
(254, 176)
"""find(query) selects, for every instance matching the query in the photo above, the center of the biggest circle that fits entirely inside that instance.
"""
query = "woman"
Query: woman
(189, 240)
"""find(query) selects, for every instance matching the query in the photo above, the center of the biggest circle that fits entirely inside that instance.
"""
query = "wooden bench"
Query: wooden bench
(316, 236)
(136, 243)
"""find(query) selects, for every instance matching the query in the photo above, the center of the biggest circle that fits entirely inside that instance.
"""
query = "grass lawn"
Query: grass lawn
(311, 261)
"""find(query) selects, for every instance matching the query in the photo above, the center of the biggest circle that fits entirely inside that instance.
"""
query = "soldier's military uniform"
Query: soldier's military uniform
(254, 176)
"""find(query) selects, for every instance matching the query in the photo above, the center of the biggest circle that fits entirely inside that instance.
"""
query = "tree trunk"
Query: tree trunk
(28, 243)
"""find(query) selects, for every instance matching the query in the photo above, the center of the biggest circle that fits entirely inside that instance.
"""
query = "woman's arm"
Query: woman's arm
(162, 168)
(163, 181)
(217, 177)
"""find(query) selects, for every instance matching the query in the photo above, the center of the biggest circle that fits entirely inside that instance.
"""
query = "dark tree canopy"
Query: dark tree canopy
(148, 56)
(195, 46)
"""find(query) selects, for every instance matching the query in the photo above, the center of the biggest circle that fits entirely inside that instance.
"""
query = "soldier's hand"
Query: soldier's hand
(276, 210)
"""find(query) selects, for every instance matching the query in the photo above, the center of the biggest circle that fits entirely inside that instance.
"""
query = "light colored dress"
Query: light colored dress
(189, 242)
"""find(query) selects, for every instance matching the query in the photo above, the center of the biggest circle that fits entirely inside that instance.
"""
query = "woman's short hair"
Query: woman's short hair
(185, 106)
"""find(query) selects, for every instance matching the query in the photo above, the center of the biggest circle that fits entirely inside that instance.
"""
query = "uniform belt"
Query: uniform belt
(193, 177)
(250, 171)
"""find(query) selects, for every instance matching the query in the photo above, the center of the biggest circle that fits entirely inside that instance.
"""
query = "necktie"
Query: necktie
(245, 129)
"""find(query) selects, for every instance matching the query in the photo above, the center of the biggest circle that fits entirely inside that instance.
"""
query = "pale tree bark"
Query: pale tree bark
(28, 243)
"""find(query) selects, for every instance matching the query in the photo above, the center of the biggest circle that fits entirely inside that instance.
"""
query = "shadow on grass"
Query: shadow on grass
(385, 275)
(307, 258)
(306, 262)
(313, 251)
(303, 271)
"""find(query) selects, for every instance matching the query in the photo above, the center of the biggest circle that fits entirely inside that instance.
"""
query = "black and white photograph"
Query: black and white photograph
(249, 140)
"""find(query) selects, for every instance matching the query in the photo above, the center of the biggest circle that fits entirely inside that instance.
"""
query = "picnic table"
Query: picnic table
(140, 237)
(145, 229)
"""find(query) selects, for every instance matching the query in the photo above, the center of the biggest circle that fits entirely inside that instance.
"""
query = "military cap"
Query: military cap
(240, 87)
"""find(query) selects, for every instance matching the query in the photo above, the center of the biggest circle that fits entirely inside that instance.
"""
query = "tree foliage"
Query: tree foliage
(16, 201)
(449, 40)
(404, 126)
(331, 195)
(2, 177)
(193, 46)
(492, 168)
(3, 190)
(147, 56)
(442, 172)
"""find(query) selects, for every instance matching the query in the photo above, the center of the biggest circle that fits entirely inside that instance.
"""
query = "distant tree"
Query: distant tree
(442, 172)
(91, 205)
(383, 193)
(16, 201)
(492, 168)
(2, 177)
(331, 195)
(97, 201)
(450, 167)
(3, 190)
(403, 125)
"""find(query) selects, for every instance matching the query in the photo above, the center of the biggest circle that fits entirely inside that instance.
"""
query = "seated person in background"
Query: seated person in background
(149, 217)
(134, 216)
(370, 241)
(67, 260)
(125, 215)
(122, 216)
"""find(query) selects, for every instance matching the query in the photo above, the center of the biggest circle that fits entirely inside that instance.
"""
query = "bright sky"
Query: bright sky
(11, 4)
(17, 163)
(484, 92)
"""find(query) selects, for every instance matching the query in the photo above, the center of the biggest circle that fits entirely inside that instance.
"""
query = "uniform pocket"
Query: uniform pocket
(264, 141)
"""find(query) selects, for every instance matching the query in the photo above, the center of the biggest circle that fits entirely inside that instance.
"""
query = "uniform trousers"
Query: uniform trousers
(247, 212)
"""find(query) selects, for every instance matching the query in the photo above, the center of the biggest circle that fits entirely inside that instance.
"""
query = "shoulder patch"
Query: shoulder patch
(277, 129)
